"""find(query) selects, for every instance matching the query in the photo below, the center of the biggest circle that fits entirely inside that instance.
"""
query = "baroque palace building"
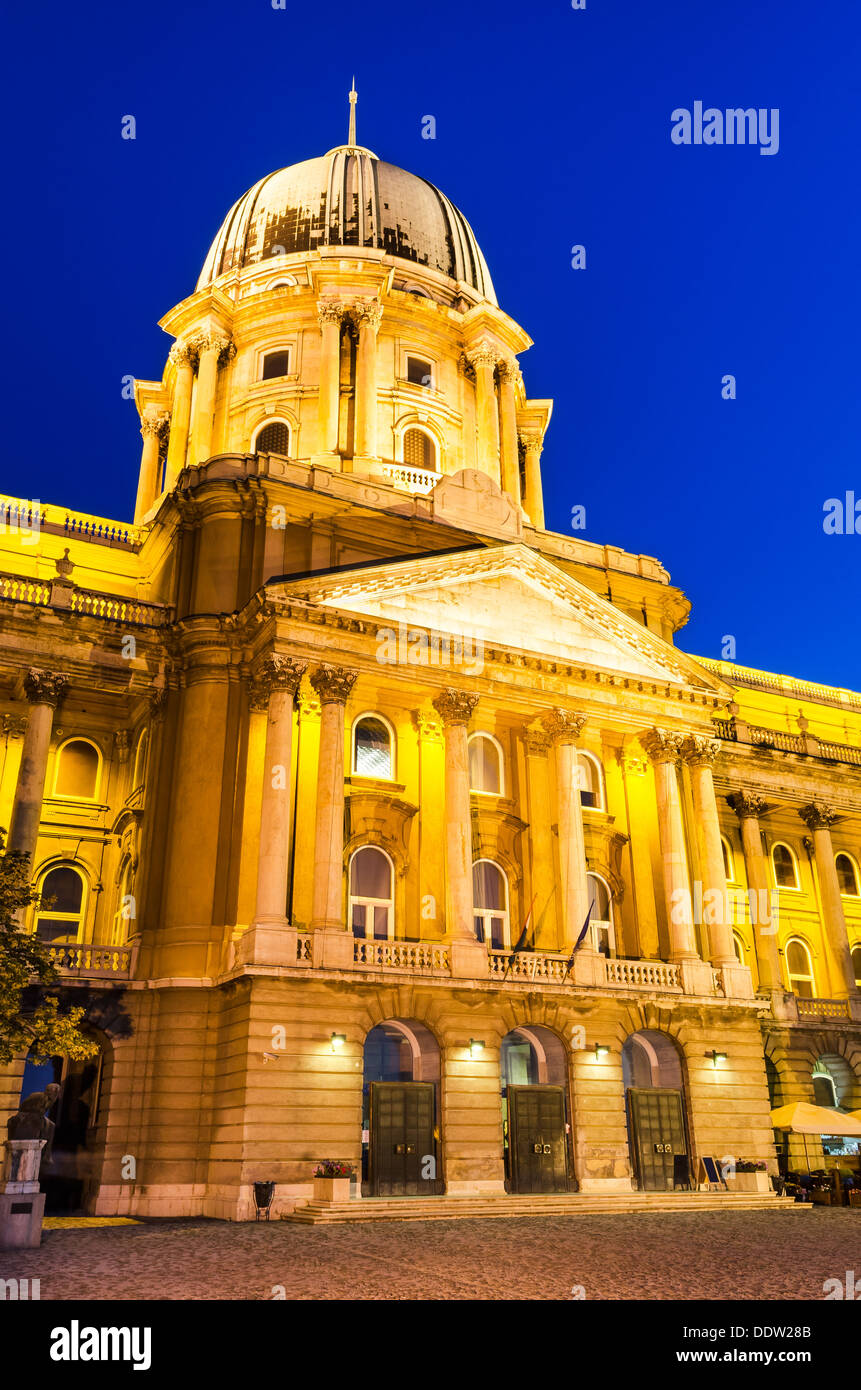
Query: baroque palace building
(329, 760)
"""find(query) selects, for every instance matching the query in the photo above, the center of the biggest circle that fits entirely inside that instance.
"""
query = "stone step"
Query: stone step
(561, 1204)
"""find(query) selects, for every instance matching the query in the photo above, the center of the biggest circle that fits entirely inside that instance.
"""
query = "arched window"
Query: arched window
(785, 867)
(824, 1087)
(490, 904)
(847, 875)
(274, 438)
(738, 947)
(601, 920)
(77, 770)
(141, 754)
(60, 915)
(856, 961)
(372, 909)
(799, 968)
(485, 765)
(591, 776)
(728, 866)
(272, 365)
(419, 450)
(285, 283)
(373, 747)
(125, 916)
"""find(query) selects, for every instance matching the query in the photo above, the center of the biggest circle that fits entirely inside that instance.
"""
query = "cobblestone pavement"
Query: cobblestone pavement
(721, 1255)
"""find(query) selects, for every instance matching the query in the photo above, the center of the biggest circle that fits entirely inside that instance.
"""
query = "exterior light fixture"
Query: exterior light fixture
(716, 1056)
(601, 1050)
(338, 1040)
(476, 1047)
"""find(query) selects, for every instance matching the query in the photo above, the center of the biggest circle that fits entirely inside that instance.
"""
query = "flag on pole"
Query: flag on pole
(579, 942)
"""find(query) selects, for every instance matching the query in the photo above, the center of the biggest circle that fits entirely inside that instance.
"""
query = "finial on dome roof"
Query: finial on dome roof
(351, 137)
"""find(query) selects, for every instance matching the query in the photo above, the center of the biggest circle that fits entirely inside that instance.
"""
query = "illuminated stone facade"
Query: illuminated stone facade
(337, 577)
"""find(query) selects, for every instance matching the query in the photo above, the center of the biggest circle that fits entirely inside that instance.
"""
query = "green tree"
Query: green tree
(34, 1018)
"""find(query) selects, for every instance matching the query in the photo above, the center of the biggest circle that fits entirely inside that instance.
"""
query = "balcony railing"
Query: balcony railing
(643, 974)
(423, 956)
(95, 962)
(823, 1008)
(18, 589)
(421, 480)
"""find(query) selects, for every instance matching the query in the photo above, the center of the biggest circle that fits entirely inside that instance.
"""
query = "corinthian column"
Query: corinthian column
(215, 349)
(44, 690)
(483, 360)
(663, 750)
(509, 454)
(367, 319)
(455, 708)
(533, 500)
(819, 818)
(184, 356)
(564, 729)
(153, 429)
(274, 689)
(333, 685)
(699, 753)
(749, 807)
(329, 315)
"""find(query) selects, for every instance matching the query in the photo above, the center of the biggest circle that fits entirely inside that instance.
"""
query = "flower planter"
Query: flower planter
(331, 1189)
(822, 1198)
(854, 1197)
(748, 1182)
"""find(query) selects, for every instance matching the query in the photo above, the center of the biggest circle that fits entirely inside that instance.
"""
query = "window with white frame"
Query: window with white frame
(799, 968)
(601, 918)
(847, 875)
(372, 908)
(77, 770)
(59, 915)
(275, 364)
(485, 765)
(591, 775)
(785, 866)
(419, 450)
(490, 904)
(373, 747)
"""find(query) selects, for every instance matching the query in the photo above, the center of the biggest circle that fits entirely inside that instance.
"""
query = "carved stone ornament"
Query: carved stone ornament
(329, 311)
(121, 742)
(564, 726)
(158, 704)
(45, 687)
(818, 815)
(662, 746)
(536, 742)
(156, 425)
(427, 726)
(455, 706)
(185, 352)
(275, 673)
(482, 355)
(13, 725)
(532, 441)
(698, 750)
(367, 313)
(216, 342)
(64, 566)
(333, 684)
(747, 805)
(508, 370)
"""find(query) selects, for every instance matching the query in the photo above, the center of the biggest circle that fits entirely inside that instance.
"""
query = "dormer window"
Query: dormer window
(419, 372)
(275, 364)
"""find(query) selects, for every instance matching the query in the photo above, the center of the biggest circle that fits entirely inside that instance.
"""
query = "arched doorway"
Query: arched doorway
(70, 1177)
(536, 1124)
(836, 1087)
(400, 1104)
(654, 1097)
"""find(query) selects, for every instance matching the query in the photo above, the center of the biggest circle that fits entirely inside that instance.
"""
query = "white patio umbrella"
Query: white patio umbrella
(801, 1118)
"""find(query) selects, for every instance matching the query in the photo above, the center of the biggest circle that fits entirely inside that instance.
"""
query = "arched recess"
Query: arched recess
(401, 1071)
(536, 1110)
(274, 434)
(78, 770)
(654, 1078)
(405, 453)
(71, 1175)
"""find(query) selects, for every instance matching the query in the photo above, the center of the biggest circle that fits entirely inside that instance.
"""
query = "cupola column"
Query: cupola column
(455, 708)
(699, 753)
(214, 350)
(329, 315)
(749, 807)
(483, 361)
(274, 689)
(509, 456)
(533, 501)
(367, 319)
(819, 819)
(564, 728)
(44, 690)
(153, 429)
(333, 685)
(184, 357)
(663, 749)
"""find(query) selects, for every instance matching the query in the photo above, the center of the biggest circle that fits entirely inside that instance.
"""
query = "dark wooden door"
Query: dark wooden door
(402, 1161)
(656, 1127)
(536, 1139)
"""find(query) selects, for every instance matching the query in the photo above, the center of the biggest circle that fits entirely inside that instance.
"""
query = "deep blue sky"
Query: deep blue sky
(553, 128)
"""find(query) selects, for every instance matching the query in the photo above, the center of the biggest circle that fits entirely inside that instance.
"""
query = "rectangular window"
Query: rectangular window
(419, 372)
(275, 364)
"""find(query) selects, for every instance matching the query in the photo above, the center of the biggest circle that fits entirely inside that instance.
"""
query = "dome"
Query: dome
(349, 197)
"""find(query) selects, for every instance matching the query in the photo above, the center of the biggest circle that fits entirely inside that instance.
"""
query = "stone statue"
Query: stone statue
(31, 1121)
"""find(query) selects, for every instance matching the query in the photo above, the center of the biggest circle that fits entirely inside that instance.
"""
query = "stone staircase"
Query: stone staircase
(561, 1204)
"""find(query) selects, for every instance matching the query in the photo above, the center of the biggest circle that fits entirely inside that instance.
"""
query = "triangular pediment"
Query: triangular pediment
(506, 597)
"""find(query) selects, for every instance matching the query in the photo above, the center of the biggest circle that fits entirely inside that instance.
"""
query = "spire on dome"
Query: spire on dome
(351, 136)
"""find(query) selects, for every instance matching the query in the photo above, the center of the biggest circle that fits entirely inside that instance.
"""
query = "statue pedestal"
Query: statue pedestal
(22, 1205)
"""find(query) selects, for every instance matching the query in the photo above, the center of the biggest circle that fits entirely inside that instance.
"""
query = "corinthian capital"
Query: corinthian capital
(564, 726)
(698, 750)
(184, 352)
(508, 369)
(367, 313)
(275, 673)
(818, 815)
(455, 706)
(333, 684)
(155, 425)
(747, 805)
(662, 746)
(329, 311)
(45, 687)
(484, 354)
(220, 343)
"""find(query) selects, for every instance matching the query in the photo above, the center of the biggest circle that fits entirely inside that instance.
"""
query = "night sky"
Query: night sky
(552, 129)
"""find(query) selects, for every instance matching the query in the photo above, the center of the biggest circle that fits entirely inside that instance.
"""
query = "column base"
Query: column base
(737, 981)
(271, 941)
(332, 948)
(783, 1005)
(21, 1220)
(469, 960)
(588, 967)
(697, 976)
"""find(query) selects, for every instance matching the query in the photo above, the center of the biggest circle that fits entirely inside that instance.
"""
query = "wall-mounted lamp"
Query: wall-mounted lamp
(601, 1050)
(476, 1047)
(337, 1041)
(716, 1057)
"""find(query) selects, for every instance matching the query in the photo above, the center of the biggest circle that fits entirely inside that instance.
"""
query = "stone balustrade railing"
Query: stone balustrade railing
(420, 480)
(30, 517)
(95, 962)
(528, 965)
(428, 956)
(643, 974)
(128, 611)
(823, 1008)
